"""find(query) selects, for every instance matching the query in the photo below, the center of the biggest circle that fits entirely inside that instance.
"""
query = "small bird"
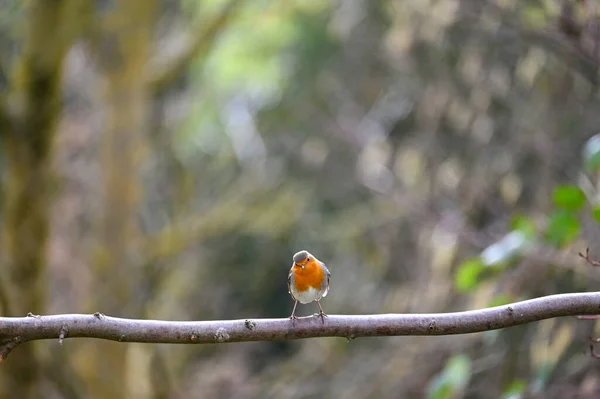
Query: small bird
(308, 281)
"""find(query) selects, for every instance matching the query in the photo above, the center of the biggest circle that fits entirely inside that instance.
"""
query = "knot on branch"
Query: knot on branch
(62, 333)
(221, 335)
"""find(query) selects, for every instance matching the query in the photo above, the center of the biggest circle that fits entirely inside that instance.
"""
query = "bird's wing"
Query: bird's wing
(327, 277)
(290, 277)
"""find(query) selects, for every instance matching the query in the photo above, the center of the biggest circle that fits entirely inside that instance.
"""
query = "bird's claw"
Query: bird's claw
(322, 315)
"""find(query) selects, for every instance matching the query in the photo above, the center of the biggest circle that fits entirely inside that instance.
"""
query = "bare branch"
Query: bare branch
(14, 330)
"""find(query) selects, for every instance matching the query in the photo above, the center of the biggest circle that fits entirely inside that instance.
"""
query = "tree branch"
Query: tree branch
(235, 208)
(164, 74)
(15, 330)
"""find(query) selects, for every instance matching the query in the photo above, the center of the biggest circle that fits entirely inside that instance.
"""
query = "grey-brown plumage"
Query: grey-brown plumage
(300, 256)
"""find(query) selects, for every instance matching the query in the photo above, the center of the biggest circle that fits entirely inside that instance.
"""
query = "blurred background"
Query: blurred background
(164, 159)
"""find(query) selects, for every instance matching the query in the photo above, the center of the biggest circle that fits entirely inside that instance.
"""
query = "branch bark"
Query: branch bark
(16, 330)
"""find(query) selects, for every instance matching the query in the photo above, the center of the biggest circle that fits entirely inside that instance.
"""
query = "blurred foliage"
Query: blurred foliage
(451, 382)
(438, 155)
(515, 390)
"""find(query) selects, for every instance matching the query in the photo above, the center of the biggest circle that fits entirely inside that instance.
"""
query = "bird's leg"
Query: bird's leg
(293, 316)
(321, 313)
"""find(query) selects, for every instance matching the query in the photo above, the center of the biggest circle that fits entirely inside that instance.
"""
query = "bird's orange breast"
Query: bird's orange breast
(311, 276)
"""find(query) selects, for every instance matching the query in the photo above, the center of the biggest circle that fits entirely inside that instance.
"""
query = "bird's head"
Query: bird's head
(302, 258)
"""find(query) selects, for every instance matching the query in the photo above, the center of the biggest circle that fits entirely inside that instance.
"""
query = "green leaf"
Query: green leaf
(467, 275)
(452, 379)
(458, 370)
(525, 225)
(568, 197)
(596, 213)
(515, 390)
(563, 228)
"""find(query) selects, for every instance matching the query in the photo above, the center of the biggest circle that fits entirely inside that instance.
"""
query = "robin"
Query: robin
(308, 281)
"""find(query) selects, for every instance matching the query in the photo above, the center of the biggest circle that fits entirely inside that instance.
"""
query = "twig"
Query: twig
(14, 330)
(589, 317)
(593, 353)
(7, 346)
(587, 258)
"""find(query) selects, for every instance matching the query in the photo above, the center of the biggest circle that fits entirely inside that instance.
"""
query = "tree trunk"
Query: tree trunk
(121, 44)
(34, 105)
